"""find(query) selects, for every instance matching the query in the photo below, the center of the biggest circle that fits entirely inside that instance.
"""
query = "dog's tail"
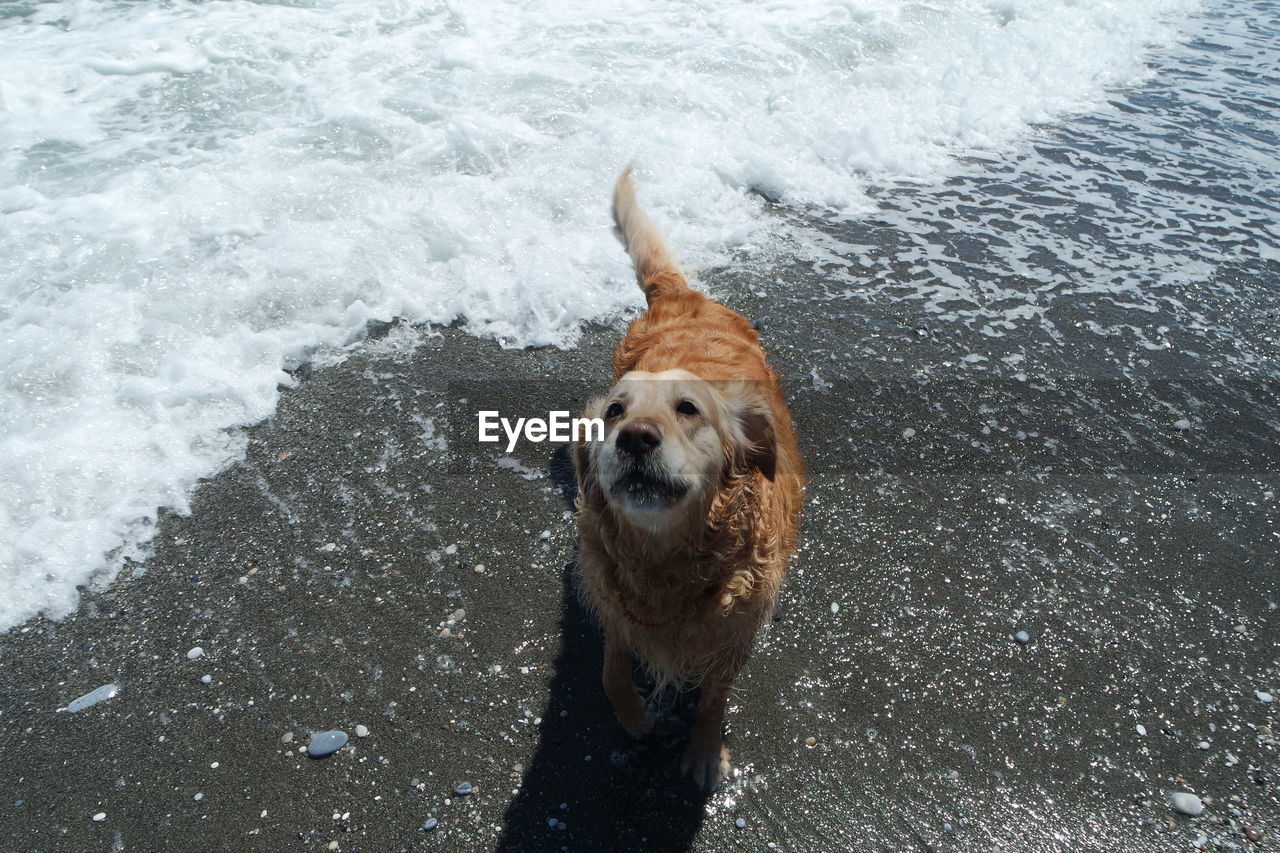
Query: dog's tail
(656, 269)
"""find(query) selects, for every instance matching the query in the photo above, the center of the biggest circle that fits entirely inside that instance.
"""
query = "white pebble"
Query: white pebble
(1204, 744)
(1022, 637)
(198, 797)
(362, 731)
(206, 679)
(451, 549)
(908, 432)
(835, 607)
(1182, 425)
(1188, 804)
(1142, 730)
(480, 569)
(100, 817)
(1264, 698)
(195, 652)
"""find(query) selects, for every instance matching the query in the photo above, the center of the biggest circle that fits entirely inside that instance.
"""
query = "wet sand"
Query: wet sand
(318, 576)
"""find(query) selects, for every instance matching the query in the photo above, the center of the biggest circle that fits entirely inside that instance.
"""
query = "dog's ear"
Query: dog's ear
(757, 438)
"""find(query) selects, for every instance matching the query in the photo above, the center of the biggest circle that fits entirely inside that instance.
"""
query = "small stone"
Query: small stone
(1263, 697)
(99, 817)
(451, 549)
(206, 679)
(93, 697)
(908, 432)
(835, 607)
(479, 569)
(1264, 730)
(1182, 425)
(195, 652)
(458, 615)
(1240, 629)
(463, 789)
(430, 824)
(1253, 833)
(326, 743)
(362, 731)
(741, 823)
(286, 737)
(415, 782)
(1204, 744)
(1022, 637)
(333, 845)
(1184, 803)
(811, 741)
(544, 535)
(1142, 730)
(198, 797)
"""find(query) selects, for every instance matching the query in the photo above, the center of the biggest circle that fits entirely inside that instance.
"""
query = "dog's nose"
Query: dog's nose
(638, 438)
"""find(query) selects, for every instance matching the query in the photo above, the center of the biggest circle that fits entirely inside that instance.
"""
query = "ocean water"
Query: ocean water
(195, 197)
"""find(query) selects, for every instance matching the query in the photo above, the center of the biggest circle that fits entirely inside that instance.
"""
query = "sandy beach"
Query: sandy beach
(371, 564)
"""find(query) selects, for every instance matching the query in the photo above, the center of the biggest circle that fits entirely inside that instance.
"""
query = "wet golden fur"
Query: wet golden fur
(685, 573)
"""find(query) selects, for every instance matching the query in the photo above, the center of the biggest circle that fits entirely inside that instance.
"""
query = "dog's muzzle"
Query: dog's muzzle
(641, 480)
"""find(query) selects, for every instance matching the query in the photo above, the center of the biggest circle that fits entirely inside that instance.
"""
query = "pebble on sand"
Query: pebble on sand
(206, 679)
(430, 824)
(1182, 425)
(741, 823)
(1184, 803)
(196, 651)
(93, 697)
(1264, 697)
(362, 731)
(463, 789)
(1022, 637)
(99, 817)
(326, 743)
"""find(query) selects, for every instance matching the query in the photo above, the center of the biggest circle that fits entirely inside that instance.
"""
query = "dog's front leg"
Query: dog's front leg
(707, 758)
(620, 687)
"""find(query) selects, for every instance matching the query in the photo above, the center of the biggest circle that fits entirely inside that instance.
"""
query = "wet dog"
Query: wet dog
(687, 509)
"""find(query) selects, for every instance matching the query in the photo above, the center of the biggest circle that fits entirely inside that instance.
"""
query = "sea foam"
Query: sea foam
(197, 195)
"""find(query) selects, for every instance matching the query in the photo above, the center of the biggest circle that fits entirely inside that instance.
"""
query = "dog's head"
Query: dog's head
(671, 440)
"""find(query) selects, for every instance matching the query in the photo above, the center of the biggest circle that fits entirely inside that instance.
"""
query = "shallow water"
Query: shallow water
(197, 195)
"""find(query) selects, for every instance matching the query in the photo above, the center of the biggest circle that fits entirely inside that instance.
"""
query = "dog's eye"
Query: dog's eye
(684, 407)
(615, 410)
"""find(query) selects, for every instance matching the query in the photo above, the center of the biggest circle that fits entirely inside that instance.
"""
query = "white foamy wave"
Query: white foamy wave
(196, 195)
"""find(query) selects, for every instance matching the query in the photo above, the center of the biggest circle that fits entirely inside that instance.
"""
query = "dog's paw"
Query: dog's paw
(637, 724)
(706, 763)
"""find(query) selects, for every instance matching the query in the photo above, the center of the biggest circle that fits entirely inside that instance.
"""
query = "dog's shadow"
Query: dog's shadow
(589, 786)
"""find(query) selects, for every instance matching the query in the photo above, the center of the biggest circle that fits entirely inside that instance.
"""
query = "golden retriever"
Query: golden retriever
(687, 509)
